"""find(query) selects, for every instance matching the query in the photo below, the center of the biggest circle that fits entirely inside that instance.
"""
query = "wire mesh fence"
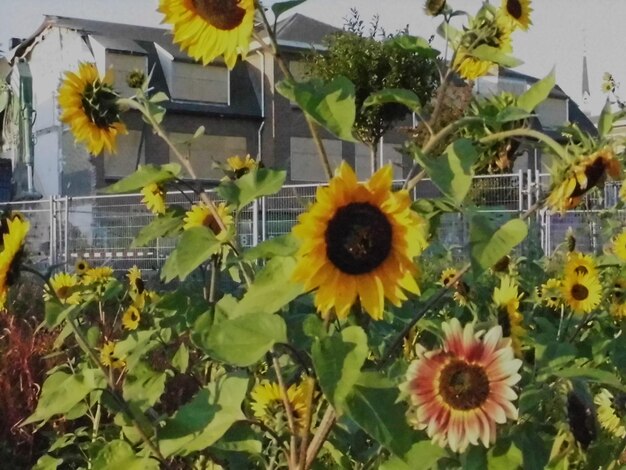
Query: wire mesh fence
(102, 228)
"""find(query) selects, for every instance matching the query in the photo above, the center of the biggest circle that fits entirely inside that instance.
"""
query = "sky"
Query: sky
(562, 32)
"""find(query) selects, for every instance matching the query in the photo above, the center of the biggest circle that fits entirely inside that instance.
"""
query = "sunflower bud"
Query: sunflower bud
(136, 79)
(571, 240)
(582, 419)
(434, 7)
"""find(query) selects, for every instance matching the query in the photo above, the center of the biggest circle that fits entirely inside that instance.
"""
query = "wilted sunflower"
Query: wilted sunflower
(108, 357)
(66, 289)
(359, 239)
(459, 393)
(609, 414)
(506, 298)
(267, 403)
(10, 257)
(81, 266)
(200, 216)
(519, 12)
(580, 263)
(89, 105)
(572, 183)
(619, 246)
(206, 29)
(154, 198)
(131, 317)
(550, 292)
(581, 292)
(238, 167)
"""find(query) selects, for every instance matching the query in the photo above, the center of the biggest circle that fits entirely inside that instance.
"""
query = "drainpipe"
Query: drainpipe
(27, 117)
(260, 130)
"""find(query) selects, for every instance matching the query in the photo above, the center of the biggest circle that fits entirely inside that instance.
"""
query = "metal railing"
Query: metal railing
(102, 228)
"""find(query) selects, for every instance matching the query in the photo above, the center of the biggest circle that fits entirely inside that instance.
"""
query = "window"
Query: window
(553, 113)
(206, 150)
(193, 82)
(123, 163)
(122, 65)
(305, 162)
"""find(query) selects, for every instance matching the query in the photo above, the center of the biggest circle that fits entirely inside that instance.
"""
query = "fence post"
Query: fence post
(263, 219)
(66, 233)
(520, 191)
(255, 222)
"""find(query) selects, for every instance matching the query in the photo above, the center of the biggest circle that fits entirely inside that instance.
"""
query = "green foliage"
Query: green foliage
(257, 183)
(144, 176)
(165, 225)
(119, 454)
(489, 244)
(195, 246)
(537, 93)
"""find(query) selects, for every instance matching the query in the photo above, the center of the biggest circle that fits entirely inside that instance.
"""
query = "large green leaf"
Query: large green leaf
(206, 418)
(257, 183)
(145, 175)
(240, 341)
(331, 105)
(414, 44)
(488, 244)
(394, 95)
(165, 225)
(504, 456)
(452, 172)
(493, 54)
(195, 246)
(272, 288)
(338, 360)
(537, 93)
(284, 245)
(279, 8)
(605, 122)
(62, 391)
(423, 455)
(143, 386)
(592, 375)
(47, 462)
(119, 454)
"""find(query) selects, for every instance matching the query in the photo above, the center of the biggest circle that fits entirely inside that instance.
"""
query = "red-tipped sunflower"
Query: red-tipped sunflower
(359, 240)
(460, 392)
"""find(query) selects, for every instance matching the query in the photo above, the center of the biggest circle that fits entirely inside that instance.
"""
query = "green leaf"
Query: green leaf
(145, 175)
(475, 458)
(537, 93)
(252, 185)
(279, 8)
(504, 456)
(489, 245)
(62, 391)
(284, 245)
(240, 438)
(195, 246)
(493, 54)
(47, 462)
(206, 418)
(535, 452)
(394, 95)
(423, 455)
(119, 454)
(415, 44)
(165, 225)
(605, 122)
(452, 172)
(241, 341)
(143, 386)
(591, 375)
(56, 313)
(272, 288)
(512, 114)
(338, 360)
(180, 361)
(331, 105)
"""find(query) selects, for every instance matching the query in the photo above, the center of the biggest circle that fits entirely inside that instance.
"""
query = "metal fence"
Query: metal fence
(102, 228)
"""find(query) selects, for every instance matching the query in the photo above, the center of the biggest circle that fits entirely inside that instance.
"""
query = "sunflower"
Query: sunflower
(13, 248)
(131, 317)
(518, 11)
(81, 266)
(609, 414)
(134, 280)
(101, 274)
(154, 198)
(238, 167)
(550, 292)
(200, 216)
(66, 289)
(108, 357)
(619, 246)
(506, 298)
(618, 299)
(267, 403)
(461, 289)
(583, 175)
(581, 292)
(434, 7)
(207, 29)
(89, 105)
(459, 393)
(580, 263)
(359, 239)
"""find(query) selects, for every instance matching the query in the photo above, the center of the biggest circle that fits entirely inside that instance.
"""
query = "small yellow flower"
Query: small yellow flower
(608, 416)
(579, 263)
(108, 357)
(238, 167)
(135, 281)
(582, 293)
(551, 293)
(66, 289)
(518, 11)
(81, 266)
(14, 238)
(99, 275)
(267, 403)
(200, 216)
(131, 317)
(619, 246)
(154, 198)
(618, 299)
(507, 300)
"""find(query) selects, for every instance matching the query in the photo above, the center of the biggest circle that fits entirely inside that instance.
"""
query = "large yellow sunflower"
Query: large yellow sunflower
(154, 198)
(108, 357)
(619, 246)
(580, 263)
(13, 247)
(506, 298)
(359, 240)
(200, 216)
(460, 392)
(518, 11)
(581, 292)
(131, 317)
(570, 185)
(89, 105)
(207, 29)
(608, 416)
(267, 403)
(66, 288)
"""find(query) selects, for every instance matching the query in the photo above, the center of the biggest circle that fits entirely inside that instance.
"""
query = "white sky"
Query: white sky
(562, 30)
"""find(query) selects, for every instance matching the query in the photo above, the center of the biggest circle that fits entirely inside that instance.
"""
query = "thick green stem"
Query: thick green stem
(558, 149)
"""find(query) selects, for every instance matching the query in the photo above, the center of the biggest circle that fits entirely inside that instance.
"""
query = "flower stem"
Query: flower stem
(557, 148)
(328, 420)
(289, 411)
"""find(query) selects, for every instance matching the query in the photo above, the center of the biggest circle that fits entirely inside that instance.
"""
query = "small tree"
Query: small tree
(374, 61)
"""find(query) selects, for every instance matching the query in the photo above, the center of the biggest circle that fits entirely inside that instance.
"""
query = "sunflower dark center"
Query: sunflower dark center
(139, 285)
(134, 316)
(241, 172)
(464, 386)
(581, 270)
(579, 292)
(210, 222)
(358, 238)
(222, 14)
(81, 266)
(504, 321)
(63, 292)
(100, 104)
(514, 8)
(594, 173)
